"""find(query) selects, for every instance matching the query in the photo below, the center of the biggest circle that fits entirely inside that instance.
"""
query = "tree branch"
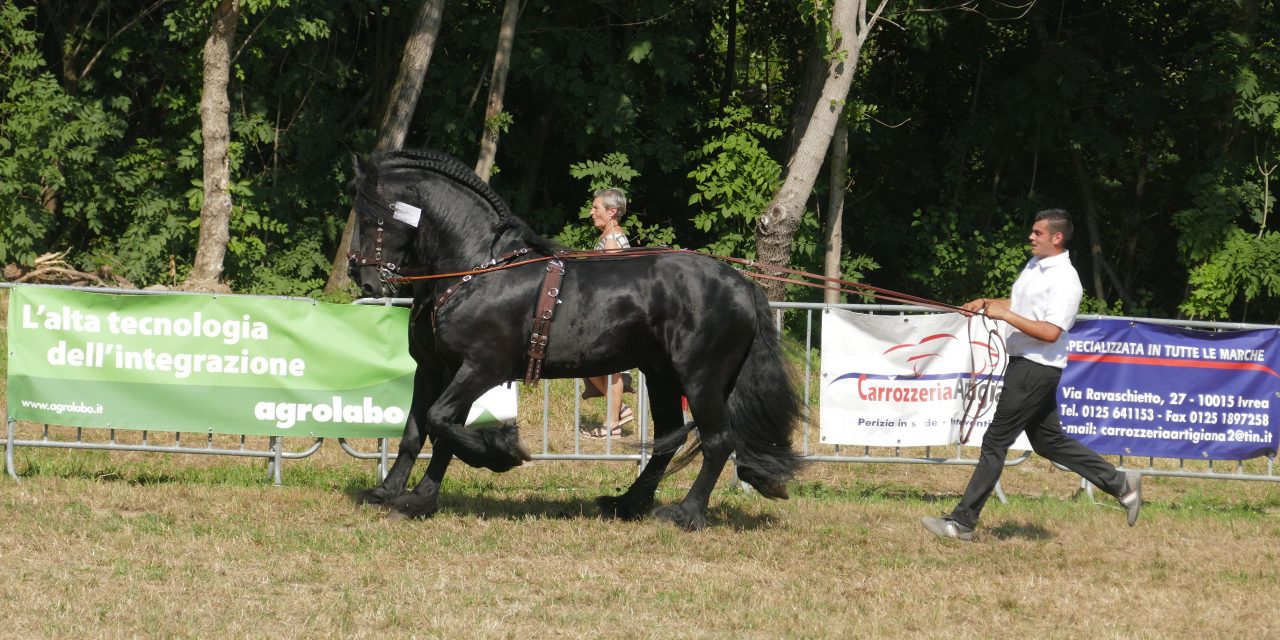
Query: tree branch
(128, 25)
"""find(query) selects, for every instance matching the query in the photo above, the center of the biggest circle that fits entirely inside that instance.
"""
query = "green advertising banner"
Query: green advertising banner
(211, 364)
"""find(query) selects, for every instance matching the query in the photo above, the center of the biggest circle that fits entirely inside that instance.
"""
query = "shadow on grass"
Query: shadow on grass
(1018, 530)
(95, 466)
(100, 474)
(488, 505)
(858, 491)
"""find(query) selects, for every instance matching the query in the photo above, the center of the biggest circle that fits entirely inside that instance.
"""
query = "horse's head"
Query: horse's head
(384, 232)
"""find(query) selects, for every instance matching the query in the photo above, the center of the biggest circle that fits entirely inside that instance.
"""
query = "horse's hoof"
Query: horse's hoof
(771, 488)
(497, 449)
(679, 517)
(378, 496)
(413, 506)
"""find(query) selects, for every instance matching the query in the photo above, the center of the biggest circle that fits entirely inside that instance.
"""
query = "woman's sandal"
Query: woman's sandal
(604, 431)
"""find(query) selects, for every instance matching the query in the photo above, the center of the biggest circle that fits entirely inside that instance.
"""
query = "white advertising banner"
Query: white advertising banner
(909, 381)
(497, 405)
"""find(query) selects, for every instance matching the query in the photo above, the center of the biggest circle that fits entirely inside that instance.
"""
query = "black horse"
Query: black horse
(692, 324)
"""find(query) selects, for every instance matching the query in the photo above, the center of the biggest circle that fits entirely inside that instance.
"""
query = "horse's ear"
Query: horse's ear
(357, 166)
(362, 170)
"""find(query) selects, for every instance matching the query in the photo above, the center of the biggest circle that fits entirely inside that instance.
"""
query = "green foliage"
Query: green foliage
(967, 262)
(1097, 306)
(1229, 266)
(49, 146)
(154, 224)
(614, 171)
(1244, 266)
(1205, 225)
(962, 124)
(734, 180)
(499, 123)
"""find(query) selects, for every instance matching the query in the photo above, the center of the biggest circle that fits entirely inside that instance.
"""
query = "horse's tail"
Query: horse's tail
(762, 409)
(760, 416)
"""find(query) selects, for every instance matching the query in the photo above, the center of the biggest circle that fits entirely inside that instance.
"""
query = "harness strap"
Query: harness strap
(485, 266)
(544, 312)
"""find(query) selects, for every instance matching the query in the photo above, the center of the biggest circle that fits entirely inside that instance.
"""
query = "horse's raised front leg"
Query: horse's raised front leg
(637, 501)
(426, 387)
(493, 447)
(691, 513)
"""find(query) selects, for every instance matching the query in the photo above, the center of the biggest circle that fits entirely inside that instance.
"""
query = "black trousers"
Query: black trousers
(1029, 403)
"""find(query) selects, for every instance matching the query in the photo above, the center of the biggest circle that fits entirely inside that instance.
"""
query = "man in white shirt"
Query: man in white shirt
(1040, 311)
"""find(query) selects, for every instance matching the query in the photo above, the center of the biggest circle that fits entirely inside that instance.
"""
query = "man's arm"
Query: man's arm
(998, 309)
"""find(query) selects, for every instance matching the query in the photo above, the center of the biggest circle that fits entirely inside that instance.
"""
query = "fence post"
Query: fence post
(8, 450)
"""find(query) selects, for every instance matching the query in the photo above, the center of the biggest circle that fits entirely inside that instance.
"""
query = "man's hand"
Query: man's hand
(994, 308)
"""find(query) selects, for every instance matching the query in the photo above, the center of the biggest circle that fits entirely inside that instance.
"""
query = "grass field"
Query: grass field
(149, 545)
(157, 546)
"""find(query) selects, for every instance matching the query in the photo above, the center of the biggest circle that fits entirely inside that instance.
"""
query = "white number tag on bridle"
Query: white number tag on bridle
(407, 214)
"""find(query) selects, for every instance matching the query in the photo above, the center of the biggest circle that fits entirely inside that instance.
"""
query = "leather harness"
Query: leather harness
(544, 308)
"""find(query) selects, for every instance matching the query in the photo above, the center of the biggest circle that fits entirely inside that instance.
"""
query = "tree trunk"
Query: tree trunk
(215, 129)
(835, 208)
(497, 88)
(1100, 264)
(531, 168)
(777, 224)
(730, 57)
(815, 76)
(399, 113)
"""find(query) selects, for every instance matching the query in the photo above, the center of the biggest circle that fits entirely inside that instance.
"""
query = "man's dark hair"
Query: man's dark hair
(1059, 222)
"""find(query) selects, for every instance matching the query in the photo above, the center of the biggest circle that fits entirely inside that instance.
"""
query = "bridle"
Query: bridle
(388, 272)
(386, 269)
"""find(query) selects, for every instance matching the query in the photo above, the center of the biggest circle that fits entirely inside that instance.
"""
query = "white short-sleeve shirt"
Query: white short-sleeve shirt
(1048, 289)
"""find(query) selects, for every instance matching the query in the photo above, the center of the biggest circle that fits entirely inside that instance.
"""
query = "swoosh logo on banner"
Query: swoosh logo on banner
(1172, 362)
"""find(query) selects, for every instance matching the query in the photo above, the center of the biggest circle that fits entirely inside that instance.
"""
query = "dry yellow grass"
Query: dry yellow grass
(152, 548)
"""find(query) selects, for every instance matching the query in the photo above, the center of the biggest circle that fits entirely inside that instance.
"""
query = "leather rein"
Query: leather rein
(769, 272)
(549, 293)
(549, 298)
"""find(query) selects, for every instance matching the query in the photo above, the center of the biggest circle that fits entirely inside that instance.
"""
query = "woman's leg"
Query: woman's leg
(614, 399)
(610, 387)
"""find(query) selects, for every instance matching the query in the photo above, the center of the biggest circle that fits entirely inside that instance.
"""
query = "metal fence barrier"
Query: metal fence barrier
(797, 315)
(274, 452)
(552, 447)
(560, 428)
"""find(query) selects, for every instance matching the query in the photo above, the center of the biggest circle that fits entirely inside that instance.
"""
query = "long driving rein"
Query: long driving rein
(508, 261)
(549, 297)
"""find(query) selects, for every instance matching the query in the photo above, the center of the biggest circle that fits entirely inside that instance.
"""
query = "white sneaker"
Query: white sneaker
(945, 527)
(1131, 497)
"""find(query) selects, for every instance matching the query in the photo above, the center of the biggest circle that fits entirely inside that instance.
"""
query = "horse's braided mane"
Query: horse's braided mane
(450, 167)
